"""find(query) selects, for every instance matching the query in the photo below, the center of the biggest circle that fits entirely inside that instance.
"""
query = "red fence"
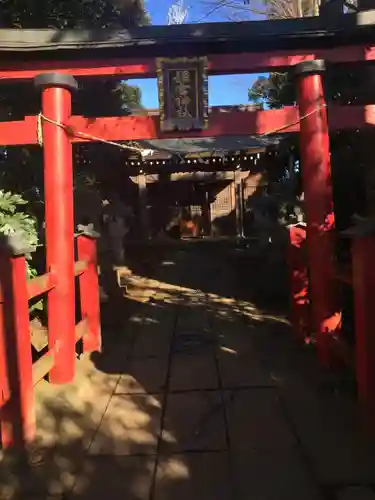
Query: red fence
(360, 274)
(18, 373)
(299, 282)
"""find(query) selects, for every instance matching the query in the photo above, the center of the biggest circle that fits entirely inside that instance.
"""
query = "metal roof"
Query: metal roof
(217, 146)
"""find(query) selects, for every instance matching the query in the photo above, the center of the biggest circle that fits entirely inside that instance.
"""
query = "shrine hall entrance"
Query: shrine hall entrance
(203, 203)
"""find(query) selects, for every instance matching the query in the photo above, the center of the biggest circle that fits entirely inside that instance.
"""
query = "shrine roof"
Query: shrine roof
(192, 39)
(213, 146)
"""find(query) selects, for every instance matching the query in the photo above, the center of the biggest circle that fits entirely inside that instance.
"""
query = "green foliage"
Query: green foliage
(276, 90)
(65, 14)
(344, 86)
(103, 98)
(341, 85)
(13, 220)
(21, 169)
(130, 96)
(106, 98)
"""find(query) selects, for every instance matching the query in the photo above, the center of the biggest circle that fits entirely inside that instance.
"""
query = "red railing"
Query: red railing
(360, 274)
(18, 373)
(299, 282)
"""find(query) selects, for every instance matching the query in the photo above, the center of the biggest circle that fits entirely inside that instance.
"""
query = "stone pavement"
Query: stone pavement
(203, 397)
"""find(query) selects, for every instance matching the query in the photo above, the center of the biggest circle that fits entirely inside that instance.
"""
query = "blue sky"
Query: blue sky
(223, 90)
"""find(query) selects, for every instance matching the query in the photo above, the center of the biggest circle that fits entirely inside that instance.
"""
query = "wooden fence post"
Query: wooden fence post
(17, 411)
(89, 290)
(363, 249)
(299, 283)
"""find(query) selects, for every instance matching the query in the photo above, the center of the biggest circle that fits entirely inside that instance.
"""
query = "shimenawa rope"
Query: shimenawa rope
(89, 137)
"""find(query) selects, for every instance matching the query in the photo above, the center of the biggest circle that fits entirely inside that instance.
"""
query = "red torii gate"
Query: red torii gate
(56, 129)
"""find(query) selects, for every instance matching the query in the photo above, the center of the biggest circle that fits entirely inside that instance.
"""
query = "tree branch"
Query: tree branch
(272, 9)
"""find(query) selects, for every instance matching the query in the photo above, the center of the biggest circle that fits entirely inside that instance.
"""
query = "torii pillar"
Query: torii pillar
(317, 187)
(56, 91)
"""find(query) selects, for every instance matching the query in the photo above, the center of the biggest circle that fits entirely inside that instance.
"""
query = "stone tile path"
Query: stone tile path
(203, 397)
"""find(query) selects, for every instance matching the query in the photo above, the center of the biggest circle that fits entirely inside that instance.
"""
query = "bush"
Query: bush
(14, 220)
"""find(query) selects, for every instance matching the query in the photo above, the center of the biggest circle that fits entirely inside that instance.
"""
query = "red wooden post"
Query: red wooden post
(58, 182)
(89, 291)
(17, 410)
(364, 291)
(299, 284)
(317, 187)
(4, 381)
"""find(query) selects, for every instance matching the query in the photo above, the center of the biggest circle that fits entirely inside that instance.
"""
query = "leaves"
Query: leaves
(14, 221)
(38, 306)
(21, 169)
(275, 90)
(63, 14)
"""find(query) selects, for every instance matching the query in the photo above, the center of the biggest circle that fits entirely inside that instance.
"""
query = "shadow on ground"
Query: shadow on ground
(198, 394)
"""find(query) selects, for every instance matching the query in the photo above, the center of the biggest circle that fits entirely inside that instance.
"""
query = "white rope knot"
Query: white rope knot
(87, 137)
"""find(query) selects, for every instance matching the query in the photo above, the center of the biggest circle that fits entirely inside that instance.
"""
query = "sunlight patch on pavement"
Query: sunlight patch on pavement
(223, 307)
